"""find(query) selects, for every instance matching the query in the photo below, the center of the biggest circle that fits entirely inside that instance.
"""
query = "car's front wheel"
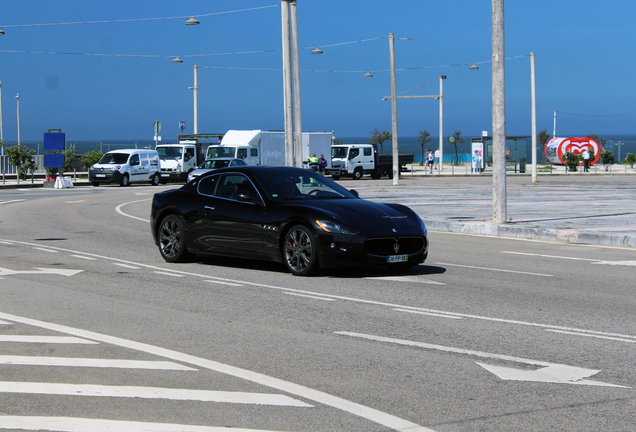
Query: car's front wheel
(155, 179)
(300, 251)
(172, 240)
(124, 180)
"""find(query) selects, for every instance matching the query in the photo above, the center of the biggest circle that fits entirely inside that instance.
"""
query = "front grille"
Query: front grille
(386, 246)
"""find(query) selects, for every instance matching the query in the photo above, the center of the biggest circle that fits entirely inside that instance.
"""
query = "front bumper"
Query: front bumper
(96, 176)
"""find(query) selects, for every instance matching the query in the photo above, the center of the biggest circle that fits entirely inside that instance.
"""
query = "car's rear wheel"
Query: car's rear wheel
(172, 240)
(300, 251)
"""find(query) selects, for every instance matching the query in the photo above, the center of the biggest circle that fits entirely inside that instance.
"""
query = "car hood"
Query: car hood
(359, 213)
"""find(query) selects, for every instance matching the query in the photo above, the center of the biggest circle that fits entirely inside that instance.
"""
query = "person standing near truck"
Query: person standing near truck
(322, 164)
(586, 160)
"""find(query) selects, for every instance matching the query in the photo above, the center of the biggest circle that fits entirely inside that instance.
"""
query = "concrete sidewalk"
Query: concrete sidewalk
(585, 208)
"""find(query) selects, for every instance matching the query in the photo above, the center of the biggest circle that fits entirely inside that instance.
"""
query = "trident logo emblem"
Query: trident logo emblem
(396, 248)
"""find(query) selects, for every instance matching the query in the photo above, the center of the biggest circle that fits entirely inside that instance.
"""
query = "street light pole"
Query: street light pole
(396, 165)
(1, 124)
(18, 99)
(195, 91)
(498, 113)
(534, 119)
(298, 130)
(287, 86)
(440, 165)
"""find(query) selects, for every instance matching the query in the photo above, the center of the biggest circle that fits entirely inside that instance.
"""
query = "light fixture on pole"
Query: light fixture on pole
(1, 31)
(368, 75)
(317, 50)
(177, 60)
(192, 21)
(473, 67)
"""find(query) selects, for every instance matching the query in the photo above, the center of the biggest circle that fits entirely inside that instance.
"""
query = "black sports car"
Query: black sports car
(284, 214)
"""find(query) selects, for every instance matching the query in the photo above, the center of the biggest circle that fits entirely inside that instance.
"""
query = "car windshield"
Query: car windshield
(215, 163)
(338, 152)
(297, 184)
(114, 158)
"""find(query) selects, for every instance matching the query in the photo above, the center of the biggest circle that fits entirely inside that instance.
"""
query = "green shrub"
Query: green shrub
(572, 160)
(91, 158)
(630, 159)
(607, 157)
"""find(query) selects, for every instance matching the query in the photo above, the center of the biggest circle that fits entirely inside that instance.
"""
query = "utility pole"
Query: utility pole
(440, 165)
(287, 86)
(195, 91)
(498, 113)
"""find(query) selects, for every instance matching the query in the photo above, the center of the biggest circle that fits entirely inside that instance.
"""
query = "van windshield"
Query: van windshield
(114, 158)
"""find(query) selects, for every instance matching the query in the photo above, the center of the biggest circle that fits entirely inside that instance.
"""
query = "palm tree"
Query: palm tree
(378, 137)
(423, 139)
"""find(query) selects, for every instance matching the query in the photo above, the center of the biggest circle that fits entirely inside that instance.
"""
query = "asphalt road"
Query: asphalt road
(490, 334)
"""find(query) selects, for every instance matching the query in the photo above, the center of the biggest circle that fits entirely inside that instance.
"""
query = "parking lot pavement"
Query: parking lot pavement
(592, 208)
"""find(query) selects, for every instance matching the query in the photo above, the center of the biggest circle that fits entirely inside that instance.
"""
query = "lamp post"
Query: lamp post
(396, 165)
(534, 119)
(196, 99)
(298, 130)
(498, 113)
(287, 85)
(1, 124)
(18, 99)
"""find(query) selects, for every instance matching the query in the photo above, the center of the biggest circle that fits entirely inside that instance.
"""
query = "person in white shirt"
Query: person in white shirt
(437, 154)
(586, 160)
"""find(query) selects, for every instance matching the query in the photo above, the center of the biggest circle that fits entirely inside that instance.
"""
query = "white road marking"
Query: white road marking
(45, 250)
(119, 210)
(428, 313)
(45, 339)
(75, 424)
(550, 372)
(127, 266)
(494, 269)
(415, 279)
(5, 322)
(74, 202)
(150, 393)
(91, 362)
(593, 336)
(591, 260)
(56, 271)
(6, 243)
(309, 296)
(224, 283)
(169, 274)
(84, 257)
(353, 408)
(11, 201)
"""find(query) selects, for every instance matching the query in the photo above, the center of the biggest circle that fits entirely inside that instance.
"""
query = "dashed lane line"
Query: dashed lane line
(91, 362)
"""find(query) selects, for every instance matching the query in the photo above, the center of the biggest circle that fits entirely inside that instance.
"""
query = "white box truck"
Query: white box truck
(356, 160)
(259, 147)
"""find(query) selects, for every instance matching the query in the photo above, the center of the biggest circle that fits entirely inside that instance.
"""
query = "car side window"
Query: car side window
(233, 186)
(241, 153)
(134, 160)
(354, 153)
(367, 151)
(253, 152)
(207, 185)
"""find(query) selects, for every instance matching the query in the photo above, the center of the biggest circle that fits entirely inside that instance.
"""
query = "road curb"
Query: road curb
(506, 230)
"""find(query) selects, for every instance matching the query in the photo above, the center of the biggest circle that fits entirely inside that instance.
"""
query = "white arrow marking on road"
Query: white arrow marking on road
(552, 372)
(150, 393)
(558, 374)
(61, 272)
(74, 202)
(91, 362)
(75, 424)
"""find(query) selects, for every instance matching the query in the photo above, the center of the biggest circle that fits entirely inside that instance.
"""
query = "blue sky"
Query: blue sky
(584, 49)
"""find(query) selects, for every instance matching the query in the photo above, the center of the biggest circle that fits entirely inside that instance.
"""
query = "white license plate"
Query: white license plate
(397, 258)
(165, 175)
(100, 175)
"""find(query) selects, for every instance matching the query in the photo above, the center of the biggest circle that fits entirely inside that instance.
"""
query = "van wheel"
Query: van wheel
(124, 180)
(335, 177)
(155, 180)
(95, 184)
(357, 174)
(172, 240)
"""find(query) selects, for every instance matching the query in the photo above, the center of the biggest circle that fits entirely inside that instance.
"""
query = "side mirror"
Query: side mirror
(355, 192)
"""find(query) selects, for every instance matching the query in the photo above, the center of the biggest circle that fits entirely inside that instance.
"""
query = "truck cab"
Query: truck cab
(351, 160)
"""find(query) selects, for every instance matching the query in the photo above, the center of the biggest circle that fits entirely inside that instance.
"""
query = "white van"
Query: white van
(125, 167)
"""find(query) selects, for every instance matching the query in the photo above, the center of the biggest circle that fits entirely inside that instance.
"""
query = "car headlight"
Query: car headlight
(335, 228)
(421, 222)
